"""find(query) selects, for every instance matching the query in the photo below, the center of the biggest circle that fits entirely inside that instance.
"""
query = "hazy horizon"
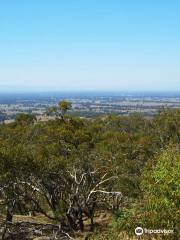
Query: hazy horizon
(91, 92)
(17, 89)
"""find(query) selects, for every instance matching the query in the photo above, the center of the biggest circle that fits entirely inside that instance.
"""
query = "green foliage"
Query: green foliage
(60, 110)
(52, 167)
(25, 119)
(64, 106)
(159, 207)
(162, 189)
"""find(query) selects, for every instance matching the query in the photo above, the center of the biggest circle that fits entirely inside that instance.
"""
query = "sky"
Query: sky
(96, 45)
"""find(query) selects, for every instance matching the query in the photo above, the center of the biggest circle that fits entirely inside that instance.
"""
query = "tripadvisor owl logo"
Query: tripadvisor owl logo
(139, 231)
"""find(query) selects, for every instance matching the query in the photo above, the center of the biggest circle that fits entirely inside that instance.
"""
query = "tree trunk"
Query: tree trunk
(71, 222)
(92, 223)
(81, 223)
(9, 213)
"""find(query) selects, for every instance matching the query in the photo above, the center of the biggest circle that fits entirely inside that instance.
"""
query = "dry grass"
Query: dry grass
(39, 219)
(102, 230)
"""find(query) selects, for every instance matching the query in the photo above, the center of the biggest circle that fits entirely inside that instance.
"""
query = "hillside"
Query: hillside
(100, 178)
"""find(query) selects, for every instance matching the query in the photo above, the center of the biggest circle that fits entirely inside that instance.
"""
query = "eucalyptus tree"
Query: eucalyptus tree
(60, 110)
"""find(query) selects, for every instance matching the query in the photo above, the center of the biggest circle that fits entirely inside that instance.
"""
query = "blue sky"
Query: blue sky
(89, 45)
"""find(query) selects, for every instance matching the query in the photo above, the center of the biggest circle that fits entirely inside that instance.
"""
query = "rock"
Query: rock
(38, 232)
